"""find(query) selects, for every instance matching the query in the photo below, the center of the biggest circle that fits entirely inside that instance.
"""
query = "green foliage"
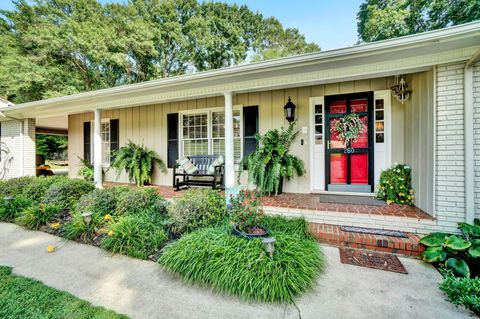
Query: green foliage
(246, 210)
(104, 201)
(39, 186)
(271, 161)
(138, 161)
(66, 193)
(385, 19)
(396, 185)
(21, 297)
(197, 208)
(15, 186)
(458, 253)
(76, 228)
(135, 235)
(86, 171)
(241, 267)
(52, 146)
(141, 201)
(347, 128)
(292, 226)
(35, 216)
(462, 291)
(52, 48)
(10, 211)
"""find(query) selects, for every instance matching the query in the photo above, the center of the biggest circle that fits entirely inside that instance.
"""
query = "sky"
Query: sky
(329, 23)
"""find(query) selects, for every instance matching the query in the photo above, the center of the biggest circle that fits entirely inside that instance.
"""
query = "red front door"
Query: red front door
(349, 168)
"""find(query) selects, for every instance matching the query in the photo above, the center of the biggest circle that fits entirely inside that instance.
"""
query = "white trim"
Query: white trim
(434, 155)
(317, 166)
(104, 120)
(382, 152)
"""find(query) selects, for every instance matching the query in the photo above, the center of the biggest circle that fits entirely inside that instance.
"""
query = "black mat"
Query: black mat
(351, 200)
(373, 231)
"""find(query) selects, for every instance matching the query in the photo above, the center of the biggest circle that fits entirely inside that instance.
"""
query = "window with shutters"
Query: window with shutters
(105, 134)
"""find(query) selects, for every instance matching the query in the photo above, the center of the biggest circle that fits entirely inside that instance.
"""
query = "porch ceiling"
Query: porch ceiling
(409, 54)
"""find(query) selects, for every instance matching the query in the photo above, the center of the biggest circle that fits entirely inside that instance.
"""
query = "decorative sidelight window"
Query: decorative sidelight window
(318, 124)
(379, 121)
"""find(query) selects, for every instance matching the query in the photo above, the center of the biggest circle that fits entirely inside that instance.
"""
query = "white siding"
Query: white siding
(476, 127)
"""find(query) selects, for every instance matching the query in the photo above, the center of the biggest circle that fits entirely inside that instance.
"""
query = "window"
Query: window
(318, 124)
(204, 133)
(105, 134)
(379, 122)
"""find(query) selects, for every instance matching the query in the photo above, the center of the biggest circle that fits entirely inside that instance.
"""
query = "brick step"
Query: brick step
(333, 235)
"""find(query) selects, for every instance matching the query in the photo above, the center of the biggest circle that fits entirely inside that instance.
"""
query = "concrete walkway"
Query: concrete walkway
(141, 289)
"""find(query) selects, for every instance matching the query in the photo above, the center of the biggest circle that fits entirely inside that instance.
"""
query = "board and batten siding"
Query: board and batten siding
(147, 124)
(476, 128)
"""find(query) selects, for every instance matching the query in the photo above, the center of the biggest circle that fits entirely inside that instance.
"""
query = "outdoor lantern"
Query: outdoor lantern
(269, 243)
(289, 109)
(7, 200)
(400, 89)
(87, 217)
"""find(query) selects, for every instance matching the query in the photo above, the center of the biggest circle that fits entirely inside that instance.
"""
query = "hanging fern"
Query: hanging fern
(271, 161)
(138, 161)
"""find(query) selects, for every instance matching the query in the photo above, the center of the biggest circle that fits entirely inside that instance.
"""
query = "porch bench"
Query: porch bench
(200, 177)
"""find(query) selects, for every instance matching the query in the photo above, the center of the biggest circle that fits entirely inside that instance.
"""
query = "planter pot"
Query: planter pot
(280, 186)
(237, 232)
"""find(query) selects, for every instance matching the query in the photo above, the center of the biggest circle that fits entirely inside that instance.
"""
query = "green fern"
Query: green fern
(271, 161)
(138, 161)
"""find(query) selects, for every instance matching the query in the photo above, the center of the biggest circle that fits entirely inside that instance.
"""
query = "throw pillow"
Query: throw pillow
(217, 162)
(187, 165)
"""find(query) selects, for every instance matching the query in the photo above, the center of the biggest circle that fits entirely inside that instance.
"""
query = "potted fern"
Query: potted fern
(271, 162)
(138, 161)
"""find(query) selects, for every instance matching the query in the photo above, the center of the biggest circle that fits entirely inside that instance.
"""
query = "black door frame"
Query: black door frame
(370, 150)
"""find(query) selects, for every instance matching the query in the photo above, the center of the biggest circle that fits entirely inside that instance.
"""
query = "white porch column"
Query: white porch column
(229, 161)
(97, 149)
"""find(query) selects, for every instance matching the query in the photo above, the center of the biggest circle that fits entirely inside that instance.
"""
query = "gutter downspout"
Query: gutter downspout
(469, 139)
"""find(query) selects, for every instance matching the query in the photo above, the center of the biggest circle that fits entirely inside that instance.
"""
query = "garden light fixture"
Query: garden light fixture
(8, 200)
(289, 109)
(400, 89)
(87, 217)
(269, 243)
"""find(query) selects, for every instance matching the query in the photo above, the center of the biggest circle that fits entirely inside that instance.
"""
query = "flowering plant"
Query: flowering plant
(246, 210)
(347, 128)
(396, 185)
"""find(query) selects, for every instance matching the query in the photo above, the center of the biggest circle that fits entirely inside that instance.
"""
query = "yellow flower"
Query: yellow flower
(389, 202)
(51, 248)
(55, 225)
(108, 218)
(110, 233)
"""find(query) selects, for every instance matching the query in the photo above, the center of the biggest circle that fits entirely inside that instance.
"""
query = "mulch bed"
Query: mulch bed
(371, 259)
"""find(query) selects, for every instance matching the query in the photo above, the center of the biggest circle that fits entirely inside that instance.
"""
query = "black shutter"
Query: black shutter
(250, 128)
(86, 142)
(172, 138)
(114, 138)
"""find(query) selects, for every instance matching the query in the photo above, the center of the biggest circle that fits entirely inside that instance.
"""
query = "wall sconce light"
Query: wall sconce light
(400, 89)
(289, 110)
(269, 243)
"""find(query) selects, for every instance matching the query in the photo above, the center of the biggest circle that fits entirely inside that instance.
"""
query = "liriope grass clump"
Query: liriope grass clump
(240, 266)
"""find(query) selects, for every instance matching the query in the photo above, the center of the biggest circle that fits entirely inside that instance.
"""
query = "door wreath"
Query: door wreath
(348, 128)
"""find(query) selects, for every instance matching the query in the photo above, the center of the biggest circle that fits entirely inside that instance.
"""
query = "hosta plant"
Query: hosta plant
(271, 162)
(138, 161)
(459, 253)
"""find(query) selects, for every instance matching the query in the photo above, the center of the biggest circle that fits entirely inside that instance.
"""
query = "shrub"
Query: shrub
(138, 161)
(292, 226)
(246, 210)
(86, 171)
(141, 201)
(15, 186)
(77, 229)
(102, 201)
(240, 266)
(10, 211)
(134, 235)
(396, 185)
(38, 187)
(462, 291)
(197, 208)
(66, 193)
(36, 216)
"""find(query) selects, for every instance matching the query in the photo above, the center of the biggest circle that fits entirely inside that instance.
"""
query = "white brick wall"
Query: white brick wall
(450, 178)
(476, 128)
(12, 155)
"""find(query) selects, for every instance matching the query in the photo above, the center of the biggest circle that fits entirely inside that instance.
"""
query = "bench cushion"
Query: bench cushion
(187, 165)
(217, 162)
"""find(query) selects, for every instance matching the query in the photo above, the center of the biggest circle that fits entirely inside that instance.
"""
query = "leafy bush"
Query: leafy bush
(459, 253)
(15, 186)
(134, 235)
(39, 186)
(241, 267)
(292, 226)
(197, 208)
(86, 171)
(77, 229)
(10, 211)
(246, 210)
(141, 201)
(66, 193)
(101, 201)
(462, 291)
(36, 216)
(396, 185)
(271, 161)
(138, 161)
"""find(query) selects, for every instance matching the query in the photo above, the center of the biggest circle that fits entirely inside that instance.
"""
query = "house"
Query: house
(436, 130)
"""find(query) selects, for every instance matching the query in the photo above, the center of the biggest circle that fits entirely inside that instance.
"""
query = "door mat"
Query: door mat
(351, 200)
(373, 231)
(371, 259)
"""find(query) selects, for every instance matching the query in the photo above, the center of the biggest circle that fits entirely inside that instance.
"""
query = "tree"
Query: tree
(59, 47)
(385, 19)
(52, 146)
